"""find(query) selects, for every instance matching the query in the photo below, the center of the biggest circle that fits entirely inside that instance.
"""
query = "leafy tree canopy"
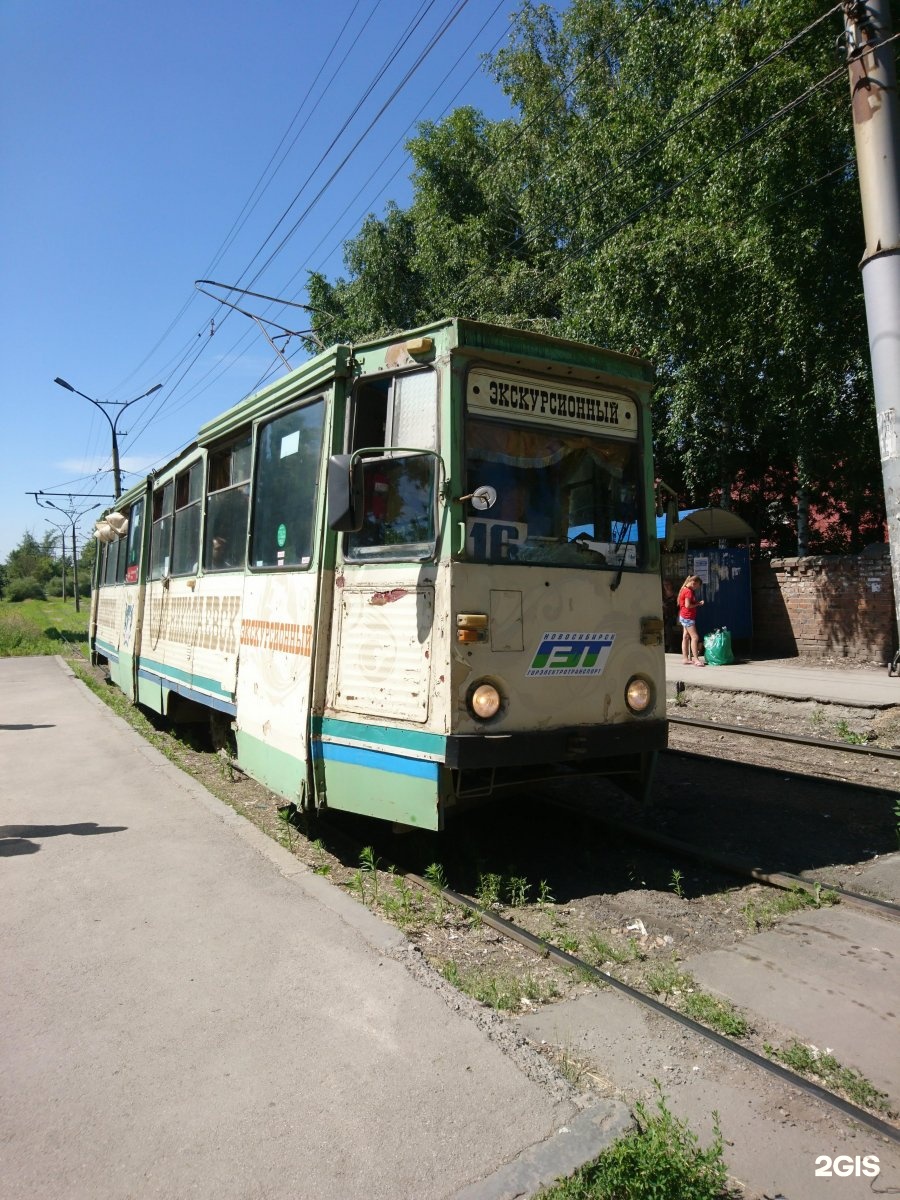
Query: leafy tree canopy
(659, 190)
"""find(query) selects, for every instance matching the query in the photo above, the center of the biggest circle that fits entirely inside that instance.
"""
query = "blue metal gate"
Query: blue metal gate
(726, 589)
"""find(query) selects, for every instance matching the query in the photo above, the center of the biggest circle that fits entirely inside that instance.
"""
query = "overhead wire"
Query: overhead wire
(425, 6)
(241, 218)
(461, 4)
(716, 97)
(435, 39)
(407, 158)
(244, 214)
(185, 360)
(370, 87)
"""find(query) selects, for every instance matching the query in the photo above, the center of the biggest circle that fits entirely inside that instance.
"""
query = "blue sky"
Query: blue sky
(137, 145)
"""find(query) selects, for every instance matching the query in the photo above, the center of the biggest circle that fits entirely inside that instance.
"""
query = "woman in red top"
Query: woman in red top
(687, 618)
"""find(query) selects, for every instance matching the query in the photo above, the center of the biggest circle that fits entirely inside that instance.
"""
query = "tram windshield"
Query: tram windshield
(566, 499)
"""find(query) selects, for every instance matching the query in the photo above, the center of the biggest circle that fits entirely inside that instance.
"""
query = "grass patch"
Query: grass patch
(763, 914)
(661, 1160)
(601, 951)
(499, 990)
(681, 988)
(666, 980)
(714, 1013)
(41, 627)
(807, 1060)
(846, 734)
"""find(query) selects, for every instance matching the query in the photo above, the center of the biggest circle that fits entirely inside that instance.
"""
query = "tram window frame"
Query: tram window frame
(161, 532)
(229, 471)
(290, 550)
(379, 418)
(135, 541)
(111, 563)
(186, 519)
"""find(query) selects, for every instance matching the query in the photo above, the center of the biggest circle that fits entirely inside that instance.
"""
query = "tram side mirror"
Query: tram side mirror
(345, 493)
(482, 498)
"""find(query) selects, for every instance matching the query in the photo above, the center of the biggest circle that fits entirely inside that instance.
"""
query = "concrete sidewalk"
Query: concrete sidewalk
(856, 687)
(187, 1010)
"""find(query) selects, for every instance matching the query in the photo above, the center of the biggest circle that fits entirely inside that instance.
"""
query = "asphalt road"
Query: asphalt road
(188, 1011)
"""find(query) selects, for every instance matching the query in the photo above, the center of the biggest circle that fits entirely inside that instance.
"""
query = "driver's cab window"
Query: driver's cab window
(400, 486)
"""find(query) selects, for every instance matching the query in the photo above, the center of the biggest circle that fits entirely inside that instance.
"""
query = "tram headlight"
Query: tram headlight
(638, 694)
(484, 701)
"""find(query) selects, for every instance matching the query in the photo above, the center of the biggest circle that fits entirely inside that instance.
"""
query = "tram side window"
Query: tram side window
(186, 521)
(161, 533)
(227, 506)
(120, 563)
(399, 488)
(135, 538)
(111, 562)
(284, 503)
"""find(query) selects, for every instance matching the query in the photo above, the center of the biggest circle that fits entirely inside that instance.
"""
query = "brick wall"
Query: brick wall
(826, 607)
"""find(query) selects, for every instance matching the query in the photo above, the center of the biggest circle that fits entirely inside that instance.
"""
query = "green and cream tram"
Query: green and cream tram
(408, 574)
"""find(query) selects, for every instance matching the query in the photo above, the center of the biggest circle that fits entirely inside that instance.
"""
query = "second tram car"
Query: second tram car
(408, 574)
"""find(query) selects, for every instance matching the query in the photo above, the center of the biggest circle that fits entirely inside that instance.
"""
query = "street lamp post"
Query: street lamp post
(121, 405)
(73, 518)
(62, 534)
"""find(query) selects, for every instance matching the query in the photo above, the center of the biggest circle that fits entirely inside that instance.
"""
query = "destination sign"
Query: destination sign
(528, 399)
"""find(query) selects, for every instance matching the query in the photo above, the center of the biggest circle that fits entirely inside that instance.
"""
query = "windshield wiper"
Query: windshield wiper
(618, 554)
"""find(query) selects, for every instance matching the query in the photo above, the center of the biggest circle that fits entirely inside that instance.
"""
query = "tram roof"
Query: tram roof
(446, 335)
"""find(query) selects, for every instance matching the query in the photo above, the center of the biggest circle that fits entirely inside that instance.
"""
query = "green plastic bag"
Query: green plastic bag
(717, 648)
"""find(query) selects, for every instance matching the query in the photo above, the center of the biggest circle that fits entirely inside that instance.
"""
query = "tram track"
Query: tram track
(546, 949)
(792, 738)
(740, 868)
(563, 958)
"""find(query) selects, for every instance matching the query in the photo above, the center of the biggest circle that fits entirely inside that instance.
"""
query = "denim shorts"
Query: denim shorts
(687, 622)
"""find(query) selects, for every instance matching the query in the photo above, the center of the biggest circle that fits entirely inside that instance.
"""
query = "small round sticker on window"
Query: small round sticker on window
(282, 534)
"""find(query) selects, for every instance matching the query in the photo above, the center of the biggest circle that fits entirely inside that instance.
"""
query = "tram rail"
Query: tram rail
(563, 958)
(741, 868)
(544, 948)
(794, 738)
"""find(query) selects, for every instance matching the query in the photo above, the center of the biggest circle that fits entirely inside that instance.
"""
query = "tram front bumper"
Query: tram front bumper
(572, 745)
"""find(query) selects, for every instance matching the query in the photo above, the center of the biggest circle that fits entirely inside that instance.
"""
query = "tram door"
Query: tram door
(280, 601)
(134, 548)
(372, 749)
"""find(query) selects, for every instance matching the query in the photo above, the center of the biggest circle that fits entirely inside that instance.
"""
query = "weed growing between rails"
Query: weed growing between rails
(680, 990)
(821, 1064)
(763, 914)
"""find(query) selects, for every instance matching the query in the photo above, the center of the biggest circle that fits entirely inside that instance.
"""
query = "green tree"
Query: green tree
(32, 559)
(639, 200)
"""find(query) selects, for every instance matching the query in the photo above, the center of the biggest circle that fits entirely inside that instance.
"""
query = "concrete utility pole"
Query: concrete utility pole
(876, 125)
